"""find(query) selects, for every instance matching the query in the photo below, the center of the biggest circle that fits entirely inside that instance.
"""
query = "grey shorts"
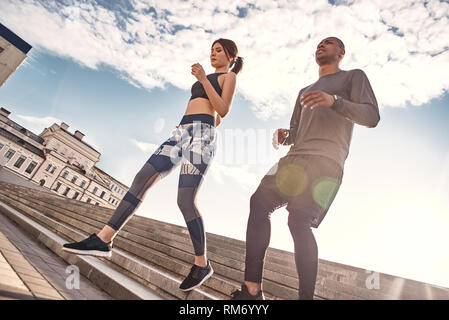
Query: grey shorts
(307, 184)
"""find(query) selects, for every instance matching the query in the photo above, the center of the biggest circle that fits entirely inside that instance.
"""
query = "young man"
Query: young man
(309, 176)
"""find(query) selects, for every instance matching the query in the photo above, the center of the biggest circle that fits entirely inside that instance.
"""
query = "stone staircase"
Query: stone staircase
(150, 258)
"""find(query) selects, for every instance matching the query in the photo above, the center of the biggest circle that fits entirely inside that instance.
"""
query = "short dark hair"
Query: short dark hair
(339, 42)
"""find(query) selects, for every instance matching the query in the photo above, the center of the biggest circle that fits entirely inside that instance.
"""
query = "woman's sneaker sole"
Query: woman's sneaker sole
(95, 253)
(199, 284)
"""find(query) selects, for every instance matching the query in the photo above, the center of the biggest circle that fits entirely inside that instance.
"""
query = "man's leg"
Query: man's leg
(322, 178)
(263, 202)
(306, 253)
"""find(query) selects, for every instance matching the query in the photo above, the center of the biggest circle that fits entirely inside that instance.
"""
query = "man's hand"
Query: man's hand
(316, 98)
(279, 137)
(198, 72)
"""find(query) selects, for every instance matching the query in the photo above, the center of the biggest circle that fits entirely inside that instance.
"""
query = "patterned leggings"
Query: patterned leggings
(192, 145)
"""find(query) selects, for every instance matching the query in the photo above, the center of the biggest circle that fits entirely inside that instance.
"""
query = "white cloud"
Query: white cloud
(35, 124)
(242, 176)
(145, 146)
(398, 44)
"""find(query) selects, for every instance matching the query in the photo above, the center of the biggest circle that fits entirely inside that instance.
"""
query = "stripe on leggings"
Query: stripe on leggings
(189, 180)
(197, 235)
(129, 197)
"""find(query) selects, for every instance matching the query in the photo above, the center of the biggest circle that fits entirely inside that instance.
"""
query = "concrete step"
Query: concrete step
(170, 246)
(141, 281)
(81, 207)
(333, 288)
(228, 267)
(170, 258)
(102, 274)
(282, 290)
(228, 246)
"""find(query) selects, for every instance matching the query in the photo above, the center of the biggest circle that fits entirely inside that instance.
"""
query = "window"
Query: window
(88, 200)
(65, 174)
(83, 183)
(58, 185)
(95, 190)
(31, 167)
(9, 153)
(96, 203)
(102, 194)
(1, 146)
(74, 179)
(53, 170)
(20, 161)
(67, 189)
(75, 195)
(48, 167)
(1, 50)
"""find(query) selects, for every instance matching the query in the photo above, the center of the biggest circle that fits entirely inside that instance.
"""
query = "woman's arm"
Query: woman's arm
(221, 104)
(217, 120)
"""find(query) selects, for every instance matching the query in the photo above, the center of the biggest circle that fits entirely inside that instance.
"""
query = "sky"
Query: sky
(120, 73)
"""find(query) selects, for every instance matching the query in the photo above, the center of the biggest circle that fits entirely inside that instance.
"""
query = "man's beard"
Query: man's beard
(325, 60)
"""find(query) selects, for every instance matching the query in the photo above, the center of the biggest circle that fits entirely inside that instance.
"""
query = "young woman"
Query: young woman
(192, 145)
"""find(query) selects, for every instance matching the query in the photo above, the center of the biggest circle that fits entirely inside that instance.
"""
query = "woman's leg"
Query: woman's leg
(197, 156)
(194, 222)
(143, 181)
(160, 164)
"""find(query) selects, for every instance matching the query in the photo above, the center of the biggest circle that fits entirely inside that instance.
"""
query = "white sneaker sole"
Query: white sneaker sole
(96, 253)
(199, 284)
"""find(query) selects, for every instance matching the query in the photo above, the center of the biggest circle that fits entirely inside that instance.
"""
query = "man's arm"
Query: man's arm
(362, 107)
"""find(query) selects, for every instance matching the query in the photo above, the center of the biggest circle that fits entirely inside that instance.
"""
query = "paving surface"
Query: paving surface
(8, 176)
(29, 270)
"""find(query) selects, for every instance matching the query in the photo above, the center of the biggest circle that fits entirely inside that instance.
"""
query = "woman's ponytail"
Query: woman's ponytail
(238, 64)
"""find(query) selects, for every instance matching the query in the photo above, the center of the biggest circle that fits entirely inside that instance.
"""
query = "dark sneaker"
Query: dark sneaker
(196, 277)
(93, 246)
(245, 295)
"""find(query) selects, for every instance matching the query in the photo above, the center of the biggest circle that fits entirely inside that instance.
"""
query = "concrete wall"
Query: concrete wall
(10, 59)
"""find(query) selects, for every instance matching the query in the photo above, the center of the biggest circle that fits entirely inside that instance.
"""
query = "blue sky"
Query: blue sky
(126, 94)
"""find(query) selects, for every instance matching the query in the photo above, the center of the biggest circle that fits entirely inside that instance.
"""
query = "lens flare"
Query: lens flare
(291, 180)
(324, 191)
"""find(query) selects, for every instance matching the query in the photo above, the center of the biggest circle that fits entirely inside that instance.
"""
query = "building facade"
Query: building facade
(58, 160)
(13, 51)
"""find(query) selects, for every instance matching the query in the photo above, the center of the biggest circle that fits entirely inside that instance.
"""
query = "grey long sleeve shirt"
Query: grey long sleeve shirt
(328, 131)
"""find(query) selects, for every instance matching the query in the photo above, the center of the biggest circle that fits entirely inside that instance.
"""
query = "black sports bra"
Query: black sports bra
(198, 89)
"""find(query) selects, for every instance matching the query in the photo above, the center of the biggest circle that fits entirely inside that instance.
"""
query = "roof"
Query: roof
(115, 180)
(25, 131)
(21, 142)
(108, 175)
(14, 39)
(88, 145)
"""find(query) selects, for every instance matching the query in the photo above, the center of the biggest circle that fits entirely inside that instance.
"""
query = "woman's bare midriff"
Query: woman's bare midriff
(200, 105)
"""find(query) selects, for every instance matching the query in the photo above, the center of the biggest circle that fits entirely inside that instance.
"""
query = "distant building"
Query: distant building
(58, 160)
(13, 51)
